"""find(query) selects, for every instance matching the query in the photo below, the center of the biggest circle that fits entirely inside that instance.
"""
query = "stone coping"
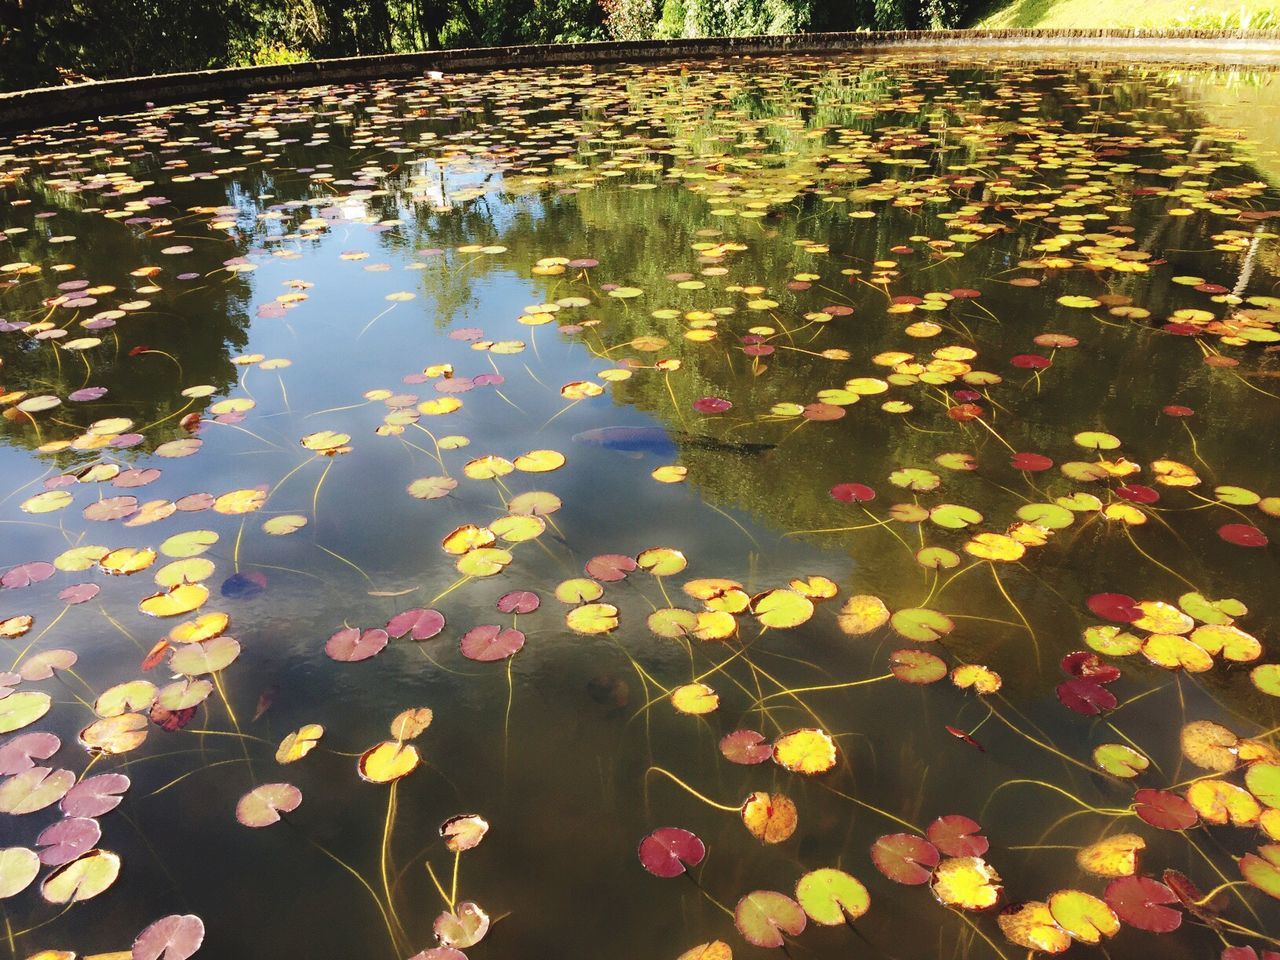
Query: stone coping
(48, 105)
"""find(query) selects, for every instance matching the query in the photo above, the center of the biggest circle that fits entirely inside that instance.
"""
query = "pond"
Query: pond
(668, 511)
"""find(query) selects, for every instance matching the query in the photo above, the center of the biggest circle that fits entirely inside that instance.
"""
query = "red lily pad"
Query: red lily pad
(1142, 902)
(1031, 462)
(610, 567)
(171, 720)
(745, 747)
(1243, 535)
(1085, 696)
(965, 412)
(1116, 607)
(1247, 953)
(957, 836)
(1138, 493)
(905, 858)
(1089, 666)
(852, 493)
(1165, 810)
(1031, 361)
(1192, 897)
(519, 601)
(712, 405)
(668, 851)
(822, 411)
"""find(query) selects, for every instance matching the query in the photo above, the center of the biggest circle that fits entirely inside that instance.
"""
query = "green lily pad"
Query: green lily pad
(18, 867)
(921, 625)
(829, 896)
(1120, 760)
(20, 709)
(1263, 781)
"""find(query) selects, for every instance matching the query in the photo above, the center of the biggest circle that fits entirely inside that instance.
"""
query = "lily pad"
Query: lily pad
(669, 851)
(765, 918)
(831, 897)
(262, 805)
(175, 937)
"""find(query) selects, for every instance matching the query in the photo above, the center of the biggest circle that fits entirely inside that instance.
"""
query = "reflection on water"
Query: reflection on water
(845, 396)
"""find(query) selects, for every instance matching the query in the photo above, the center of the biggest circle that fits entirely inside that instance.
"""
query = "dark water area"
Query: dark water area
(834, 400)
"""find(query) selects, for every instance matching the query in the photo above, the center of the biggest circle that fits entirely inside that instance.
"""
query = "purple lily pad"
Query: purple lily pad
(96, 795)
(22, 751)
(175, 937)
(78, 593)
(25, 574)
(67, 839)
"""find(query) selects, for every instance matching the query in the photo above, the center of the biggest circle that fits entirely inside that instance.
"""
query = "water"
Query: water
(783, 226)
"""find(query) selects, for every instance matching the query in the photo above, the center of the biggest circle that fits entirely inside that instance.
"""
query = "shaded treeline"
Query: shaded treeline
(45, 42)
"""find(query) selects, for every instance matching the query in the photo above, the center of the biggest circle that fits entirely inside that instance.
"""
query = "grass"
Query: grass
(1161, 14)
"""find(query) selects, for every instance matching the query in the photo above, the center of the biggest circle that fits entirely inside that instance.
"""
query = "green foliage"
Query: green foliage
(267, 53)
(639, 19)
(59, 41)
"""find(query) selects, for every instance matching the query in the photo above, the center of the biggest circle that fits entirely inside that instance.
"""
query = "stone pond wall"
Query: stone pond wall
(32, 108)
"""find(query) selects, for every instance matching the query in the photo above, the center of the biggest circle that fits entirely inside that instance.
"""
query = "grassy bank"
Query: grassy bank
(1155, 14)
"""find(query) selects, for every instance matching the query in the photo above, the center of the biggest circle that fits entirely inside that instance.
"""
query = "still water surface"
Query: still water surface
(975, 341)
